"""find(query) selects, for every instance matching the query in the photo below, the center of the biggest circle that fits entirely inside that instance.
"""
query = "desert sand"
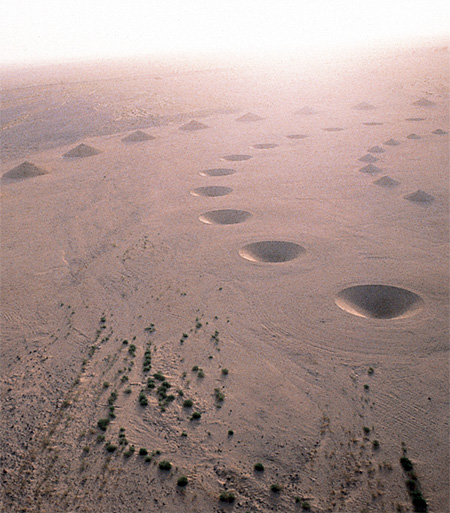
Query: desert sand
(197, 270)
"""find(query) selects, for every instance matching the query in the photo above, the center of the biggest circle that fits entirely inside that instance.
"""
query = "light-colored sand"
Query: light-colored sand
(312, 338)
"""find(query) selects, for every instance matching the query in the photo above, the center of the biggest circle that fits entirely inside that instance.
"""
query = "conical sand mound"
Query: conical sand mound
(370, 169)
(305, 111)
(192, 126)
(415, 119)
(82, 150)
(420, 197)
(332, 129)
(228, 216)
(364, 106)
(387, 182)
(218, 172)
(423, 102)
(413, 136)
(264, 146)
(391, 142)
(236, 158)
(137, 136)
(211, 191)
(249, 117)
(373, 123)
(368, 158)
(23, 171)
(271, 251)
(379, 301)
(376, 149)
(439, 131)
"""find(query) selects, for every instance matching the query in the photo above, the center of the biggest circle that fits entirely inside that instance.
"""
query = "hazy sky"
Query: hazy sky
(36, 30)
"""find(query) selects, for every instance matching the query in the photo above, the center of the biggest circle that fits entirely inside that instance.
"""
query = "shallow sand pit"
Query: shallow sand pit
(379, 301)
(264, 146)
(296, 136)
(227, 216)
(81, 151)
(305, 111)
(364, 106)
(236, 158)
(211, 191)
(420, 197)
(192, 126)
(271, 251)
(217, 172)
(137, 136)
(23, 171)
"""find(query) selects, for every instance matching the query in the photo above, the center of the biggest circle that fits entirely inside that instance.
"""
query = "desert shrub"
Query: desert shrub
(143, 401)
(259, 467)
(227, 497)
(406, 464)
(182, 481)
(110, 447)
(224, 372)
(196, 415)
(103, 424)
(143, 451)
(188, 403)
(275, 488)
(165, 465)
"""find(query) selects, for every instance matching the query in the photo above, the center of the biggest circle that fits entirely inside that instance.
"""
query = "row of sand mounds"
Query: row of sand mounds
(420, 197)
(368, 157)
(226, 216)
(379, 301)
(192, 126)
(249, 118)
(81, 151)
(137, 136)
(423, 102)
(391, 142)
(370, 169)
(24, 171)
(386, 182)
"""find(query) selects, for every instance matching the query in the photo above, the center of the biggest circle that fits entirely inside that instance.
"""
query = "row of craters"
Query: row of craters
(268, 251)
(373, 301)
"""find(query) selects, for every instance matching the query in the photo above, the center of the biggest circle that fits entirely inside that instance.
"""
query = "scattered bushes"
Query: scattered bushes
(182, 481)
(165, 465)
(227, 497)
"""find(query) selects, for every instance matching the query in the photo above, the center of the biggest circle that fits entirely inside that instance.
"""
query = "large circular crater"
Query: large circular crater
(211, 191)
(228, 216)
(379, 301)
(217, 172)
(271, 251)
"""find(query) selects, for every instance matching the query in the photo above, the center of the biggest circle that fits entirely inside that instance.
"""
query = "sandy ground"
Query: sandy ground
(111, 251)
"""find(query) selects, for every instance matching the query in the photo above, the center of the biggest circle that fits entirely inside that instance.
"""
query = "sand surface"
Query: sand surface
(301, 304)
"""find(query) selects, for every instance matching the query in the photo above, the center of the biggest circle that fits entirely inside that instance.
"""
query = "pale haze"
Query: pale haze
(51, 30)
